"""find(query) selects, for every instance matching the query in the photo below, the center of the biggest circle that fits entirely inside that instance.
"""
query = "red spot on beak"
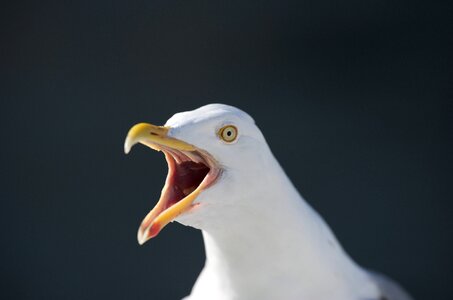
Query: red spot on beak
(154, 230)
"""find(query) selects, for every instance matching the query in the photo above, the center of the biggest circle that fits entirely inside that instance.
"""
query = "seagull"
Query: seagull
(263, 241)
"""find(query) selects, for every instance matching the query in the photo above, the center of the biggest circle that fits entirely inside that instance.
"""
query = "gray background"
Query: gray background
(363, 88)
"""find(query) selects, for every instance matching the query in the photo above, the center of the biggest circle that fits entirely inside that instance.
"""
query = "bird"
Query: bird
(262, 239)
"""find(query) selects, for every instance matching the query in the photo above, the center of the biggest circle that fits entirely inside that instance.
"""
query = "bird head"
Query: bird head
(209, 151)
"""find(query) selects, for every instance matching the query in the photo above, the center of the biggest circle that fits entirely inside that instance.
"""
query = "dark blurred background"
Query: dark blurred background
(366, 87)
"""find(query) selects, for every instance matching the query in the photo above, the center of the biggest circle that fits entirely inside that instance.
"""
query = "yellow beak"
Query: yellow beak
(156, 137)
(153, 136)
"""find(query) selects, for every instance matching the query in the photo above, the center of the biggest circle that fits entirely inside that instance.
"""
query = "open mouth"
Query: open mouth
(190, 171)
(188, 174)
(184, 176)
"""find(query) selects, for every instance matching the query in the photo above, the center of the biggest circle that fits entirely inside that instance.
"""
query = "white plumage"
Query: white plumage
(262, 239)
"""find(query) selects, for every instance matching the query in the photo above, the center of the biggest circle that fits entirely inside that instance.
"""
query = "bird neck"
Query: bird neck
(282, 240)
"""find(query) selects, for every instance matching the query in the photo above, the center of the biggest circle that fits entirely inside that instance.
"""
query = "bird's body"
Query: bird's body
(262, 239)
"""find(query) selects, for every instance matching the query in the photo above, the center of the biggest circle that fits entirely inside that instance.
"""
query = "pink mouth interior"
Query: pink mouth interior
(186, 176)
(187, 172)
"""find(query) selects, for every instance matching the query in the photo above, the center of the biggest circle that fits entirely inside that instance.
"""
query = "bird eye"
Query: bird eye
(228, 133)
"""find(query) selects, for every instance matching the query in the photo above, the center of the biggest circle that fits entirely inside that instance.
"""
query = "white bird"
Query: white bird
(262, 239)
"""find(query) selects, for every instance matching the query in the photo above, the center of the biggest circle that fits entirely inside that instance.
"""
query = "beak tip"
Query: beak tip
(144, 235)
(128, 144)
(141, 238)
(127, 148)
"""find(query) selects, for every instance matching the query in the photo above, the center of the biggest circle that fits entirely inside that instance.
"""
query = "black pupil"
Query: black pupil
(229, 132)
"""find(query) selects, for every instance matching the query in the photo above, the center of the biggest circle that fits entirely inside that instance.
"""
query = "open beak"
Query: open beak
(190, 170)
